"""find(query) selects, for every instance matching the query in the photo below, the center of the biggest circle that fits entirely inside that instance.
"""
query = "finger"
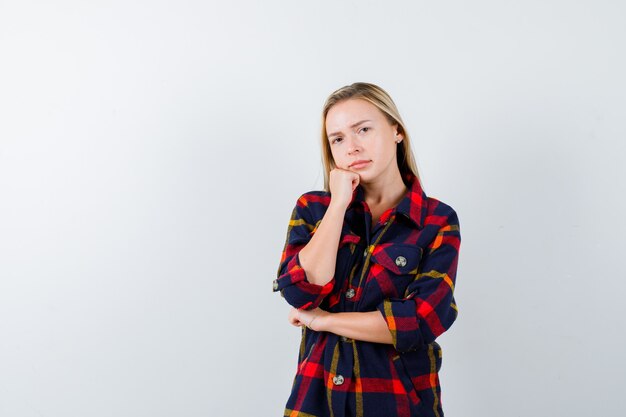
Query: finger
(355, 182)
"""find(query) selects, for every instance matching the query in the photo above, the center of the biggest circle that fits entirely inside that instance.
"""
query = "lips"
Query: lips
(359, 164)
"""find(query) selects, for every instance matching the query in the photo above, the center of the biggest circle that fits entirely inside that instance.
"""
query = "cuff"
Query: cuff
(403, 323)
(296, 288)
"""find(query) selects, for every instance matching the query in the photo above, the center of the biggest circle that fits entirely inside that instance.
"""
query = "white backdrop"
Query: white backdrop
(151, 153)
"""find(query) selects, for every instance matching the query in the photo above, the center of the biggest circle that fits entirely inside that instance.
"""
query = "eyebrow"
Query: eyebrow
(354, 125)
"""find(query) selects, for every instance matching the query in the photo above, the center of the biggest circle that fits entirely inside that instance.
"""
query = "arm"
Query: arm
(367, 326)
(308, 261)
(427, 311)
(429, 308)
(319, 257)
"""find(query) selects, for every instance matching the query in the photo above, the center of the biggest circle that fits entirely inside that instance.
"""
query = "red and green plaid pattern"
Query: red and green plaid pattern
(405, 267)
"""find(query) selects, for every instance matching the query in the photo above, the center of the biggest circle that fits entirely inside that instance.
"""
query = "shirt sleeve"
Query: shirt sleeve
(429, 308)
(292, 279)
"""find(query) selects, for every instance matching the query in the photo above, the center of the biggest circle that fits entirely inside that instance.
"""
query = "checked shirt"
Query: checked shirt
(405, 268)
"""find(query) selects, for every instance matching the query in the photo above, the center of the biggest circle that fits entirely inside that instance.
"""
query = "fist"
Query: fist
(313, 319)
(342, 184)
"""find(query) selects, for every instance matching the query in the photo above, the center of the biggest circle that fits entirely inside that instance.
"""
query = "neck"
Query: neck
(384, 190)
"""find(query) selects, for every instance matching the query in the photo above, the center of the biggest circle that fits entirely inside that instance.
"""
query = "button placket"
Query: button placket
(370, 250)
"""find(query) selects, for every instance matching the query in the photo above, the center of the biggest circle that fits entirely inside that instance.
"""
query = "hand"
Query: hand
(342, 184)
(313, 319)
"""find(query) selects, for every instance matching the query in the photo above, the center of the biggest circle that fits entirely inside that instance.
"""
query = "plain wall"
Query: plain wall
(151, 153)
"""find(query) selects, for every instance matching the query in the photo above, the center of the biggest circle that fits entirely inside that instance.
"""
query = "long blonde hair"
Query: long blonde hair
(379, 98)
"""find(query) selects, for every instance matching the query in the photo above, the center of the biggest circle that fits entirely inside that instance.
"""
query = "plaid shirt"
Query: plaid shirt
(405, 267)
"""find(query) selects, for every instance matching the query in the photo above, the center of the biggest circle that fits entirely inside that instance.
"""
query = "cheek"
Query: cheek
(391, 148)
(386, 153)
(383, 148)
(339, 162)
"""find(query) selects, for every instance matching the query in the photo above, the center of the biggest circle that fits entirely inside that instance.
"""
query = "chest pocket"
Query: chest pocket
(398, 258)
(394, 266)
(347, 247)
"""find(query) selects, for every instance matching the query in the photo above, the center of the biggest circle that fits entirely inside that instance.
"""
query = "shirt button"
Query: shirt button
(350, 293)
(344, 339)
(275, 285)
(400, 261)
(338, 380)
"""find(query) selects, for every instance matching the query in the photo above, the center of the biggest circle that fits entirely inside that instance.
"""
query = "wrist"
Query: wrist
(324, 323)
(337, 206)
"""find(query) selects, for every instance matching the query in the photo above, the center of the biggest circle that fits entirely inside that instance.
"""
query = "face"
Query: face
(358, 131)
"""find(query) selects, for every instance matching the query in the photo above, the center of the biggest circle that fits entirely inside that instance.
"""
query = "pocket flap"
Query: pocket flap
(399, 258)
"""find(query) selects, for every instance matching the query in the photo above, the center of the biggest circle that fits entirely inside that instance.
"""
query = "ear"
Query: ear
(399, 136)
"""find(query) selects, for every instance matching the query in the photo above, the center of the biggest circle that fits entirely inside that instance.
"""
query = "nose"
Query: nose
(353, 145)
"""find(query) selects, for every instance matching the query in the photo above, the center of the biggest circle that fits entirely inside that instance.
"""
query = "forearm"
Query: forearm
(319, 257)
(367, 326)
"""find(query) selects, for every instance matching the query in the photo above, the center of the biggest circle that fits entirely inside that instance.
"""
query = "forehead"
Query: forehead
(345, 113)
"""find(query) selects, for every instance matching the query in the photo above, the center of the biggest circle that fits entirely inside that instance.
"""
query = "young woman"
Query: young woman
(369, 267)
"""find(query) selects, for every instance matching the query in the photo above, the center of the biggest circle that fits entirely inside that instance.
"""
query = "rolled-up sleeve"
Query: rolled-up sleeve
(429, 308)
(291, 278)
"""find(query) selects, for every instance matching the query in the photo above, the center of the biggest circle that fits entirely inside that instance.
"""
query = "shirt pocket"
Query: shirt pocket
(306, 344)
(350, 240)
(348, 245)
(311, 367)
(413, 397)
(395, 266)
(305, 358)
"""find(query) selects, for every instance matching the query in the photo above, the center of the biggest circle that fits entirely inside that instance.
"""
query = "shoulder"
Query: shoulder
(440, 213)
(442, 223)
(312, 205)
(315, 196)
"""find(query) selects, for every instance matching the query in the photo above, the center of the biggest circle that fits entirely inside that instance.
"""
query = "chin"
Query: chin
(366, 176)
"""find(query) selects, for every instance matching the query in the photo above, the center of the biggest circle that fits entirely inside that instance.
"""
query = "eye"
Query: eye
(334, 140)
(365, 129)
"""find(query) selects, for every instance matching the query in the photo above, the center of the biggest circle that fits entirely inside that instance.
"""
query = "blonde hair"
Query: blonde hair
(379, 98)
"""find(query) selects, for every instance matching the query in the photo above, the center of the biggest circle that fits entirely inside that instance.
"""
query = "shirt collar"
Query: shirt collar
(412, 205)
